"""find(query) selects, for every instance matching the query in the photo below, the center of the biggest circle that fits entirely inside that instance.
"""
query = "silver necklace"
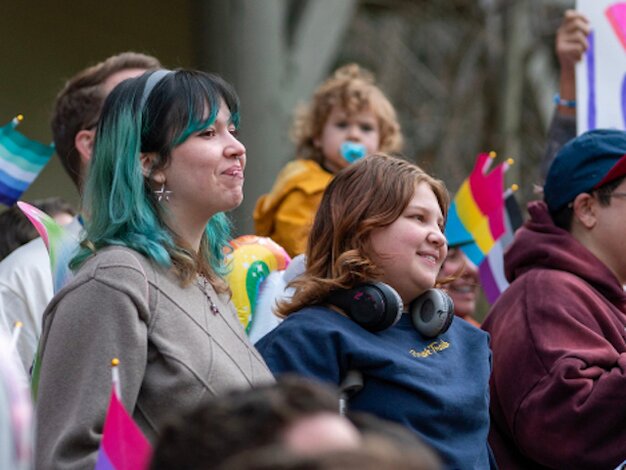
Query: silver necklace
(203, 288)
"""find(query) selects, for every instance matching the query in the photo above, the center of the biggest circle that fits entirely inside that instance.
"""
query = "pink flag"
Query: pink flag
(123, 446)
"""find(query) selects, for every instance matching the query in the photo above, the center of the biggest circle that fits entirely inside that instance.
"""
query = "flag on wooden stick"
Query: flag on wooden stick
(123, 445)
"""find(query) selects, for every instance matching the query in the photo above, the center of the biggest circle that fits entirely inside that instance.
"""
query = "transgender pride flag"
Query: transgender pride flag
(21, 160)
(123, 445)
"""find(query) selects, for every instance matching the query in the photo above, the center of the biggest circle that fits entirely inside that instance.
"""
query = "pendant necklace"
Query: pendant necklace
(204, 286)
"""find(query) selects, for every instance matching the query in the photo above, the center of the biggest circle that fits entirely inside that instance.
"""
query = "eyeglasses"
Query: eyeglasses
(615, 194)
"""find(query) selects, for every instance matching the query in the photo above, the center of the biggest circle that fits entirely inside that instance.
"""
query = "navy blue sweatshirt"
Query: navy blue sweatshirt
(437, 387)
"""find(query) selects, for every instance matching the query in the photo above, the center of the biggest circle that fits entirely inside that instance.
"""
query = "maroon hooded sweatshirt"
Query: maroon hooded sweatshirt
(558, 335)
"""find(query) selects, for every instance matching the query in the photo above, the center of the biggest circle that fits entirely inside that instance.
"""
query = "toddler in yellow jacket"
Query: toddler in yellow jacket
(348, 117)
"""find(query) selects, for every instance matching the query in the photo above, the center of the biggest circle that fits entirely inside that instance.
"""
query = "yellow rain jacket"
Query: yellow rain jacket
(286, 213)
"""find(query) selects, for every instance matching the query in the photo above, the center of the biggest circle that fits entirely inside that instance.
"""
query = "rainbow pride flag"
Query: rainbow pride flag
(61, 243)
(476, 215)
(123, 445)
(21, 161)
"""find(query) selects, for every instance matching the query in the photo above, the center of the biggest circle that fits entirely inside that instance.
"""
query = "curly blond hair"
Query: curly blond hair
(353, 89)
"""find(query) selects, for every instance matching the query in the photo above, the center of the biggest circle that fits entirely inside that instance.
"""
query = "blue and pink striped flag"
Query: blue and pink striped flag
(123, 445)
(21, 161)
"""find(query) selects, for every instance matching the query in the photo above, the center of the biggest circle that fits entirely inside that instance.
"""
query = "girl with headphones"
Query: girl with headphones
(366, 302)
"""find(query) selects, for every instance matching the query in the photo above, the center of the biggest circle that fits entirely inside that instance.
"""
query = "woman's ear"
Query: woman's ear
(147, 165)
(83, 141)
(584, 208)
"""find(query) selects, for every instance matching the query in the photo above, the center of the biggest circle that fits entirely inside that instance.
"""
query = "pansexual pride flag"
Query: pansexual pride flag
(123, 445)
(482, 221)
(476, 215)
(21, 160)
(61, 243)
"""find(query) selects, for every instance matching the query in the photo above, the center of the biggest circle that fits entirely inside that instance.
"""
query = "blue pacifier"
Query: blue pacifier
(351, 151)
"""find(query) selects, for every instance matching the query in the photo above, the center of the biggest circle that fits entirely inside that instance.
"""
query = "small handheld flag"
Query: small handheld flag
(477, 210)
(21, 161)
(62, 245)
(482, 219)
(123, 445)
(491, 270)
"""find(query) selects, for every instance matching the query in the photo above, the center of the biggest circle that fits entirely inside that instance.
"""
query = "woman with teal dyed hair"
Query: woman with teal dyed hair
(166, 166)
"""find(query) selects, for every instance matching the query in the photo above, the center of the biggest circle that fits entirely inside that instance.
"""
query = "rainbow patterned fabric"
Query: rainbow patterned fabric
(252, 261)
(61, 243)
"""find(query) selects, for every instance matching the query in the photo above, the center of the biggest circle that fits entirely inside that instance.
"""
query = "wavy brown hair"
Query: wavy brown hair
(367, 195)
(79, 103)
(353, 89)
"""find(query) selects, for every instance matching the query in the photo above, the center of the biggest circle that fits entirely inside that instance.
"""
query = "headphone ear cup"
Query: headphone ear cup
(432, 312)
(393, 306)
(374, 307)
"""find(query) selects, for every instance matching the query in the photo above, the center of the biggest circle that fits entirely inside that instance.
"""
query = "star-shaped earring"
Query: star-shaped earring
(162, 193)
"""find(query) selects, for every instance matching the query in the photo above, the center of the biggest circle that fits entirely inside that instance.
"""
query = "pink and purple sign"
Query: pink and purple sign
(601, 75)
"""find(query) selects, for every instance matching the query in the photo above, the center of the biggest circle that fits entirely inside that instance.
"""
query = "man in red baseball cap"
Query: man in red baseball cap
(558, 333)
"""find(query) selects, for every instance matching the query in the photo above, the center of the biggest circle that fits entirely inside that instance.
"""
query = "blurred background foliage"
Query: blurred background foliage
(465, 75)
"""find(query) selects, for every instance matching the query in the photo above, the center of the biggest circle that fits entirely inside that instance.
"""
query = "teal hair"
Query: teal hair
(118, 202)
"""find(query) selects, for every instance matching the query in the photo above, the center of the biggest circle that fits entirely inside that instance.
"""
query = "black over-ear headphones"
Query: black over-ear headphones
(378, 306)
